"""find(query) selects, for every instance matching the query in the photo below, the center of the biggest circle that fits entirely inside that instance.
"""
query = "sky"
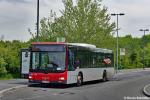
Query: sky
(17, 16)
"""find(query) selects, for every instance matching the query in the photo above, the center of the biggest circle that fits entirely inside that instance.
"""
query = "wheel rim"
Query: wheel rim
(79, 80)
(105, 76)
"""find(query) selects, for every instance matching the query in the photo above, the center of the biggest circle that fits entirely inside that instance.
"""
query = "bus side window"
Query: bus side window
(71, 61)
(77, 64)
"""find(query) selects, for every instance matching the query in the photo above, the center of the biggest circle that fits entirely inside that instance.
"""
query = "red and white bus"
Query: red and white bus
(68, 63)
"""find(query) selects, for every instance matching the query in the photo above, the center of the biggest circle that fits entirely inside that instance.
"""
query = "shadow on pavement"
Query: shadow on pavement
(63, 86)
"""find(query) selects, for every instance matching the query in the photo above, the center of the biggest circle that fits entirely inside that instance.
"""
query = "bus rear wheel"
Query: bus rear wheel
(104, 76)
(79, 79)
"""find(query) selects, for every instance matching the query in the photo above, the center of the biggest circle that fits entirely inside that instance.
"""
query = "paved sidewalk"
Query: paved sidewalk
(132, 70)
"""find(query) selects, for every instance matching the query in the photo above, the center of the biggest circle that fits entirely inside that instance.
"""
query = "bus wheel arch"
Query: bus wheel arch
(79, 79)
(104, 76)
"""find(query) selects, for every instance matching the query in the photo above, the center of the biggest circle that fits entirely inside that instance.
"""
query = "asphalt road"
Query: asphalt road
(122, 86)
(5, 84)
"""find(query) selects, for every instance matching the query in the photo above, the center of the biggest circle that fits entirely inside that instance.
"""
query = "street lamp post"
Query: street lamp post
(144, 30)
(117, 14)
(37, 36)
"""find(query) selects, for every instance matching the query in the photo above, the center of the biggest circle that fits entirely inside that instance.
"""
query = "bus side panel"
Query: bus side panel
(89, 74)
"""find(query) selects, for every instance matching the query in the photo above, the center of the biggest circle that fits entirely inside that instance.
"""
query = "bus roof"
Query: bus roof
(74, 44)
(103, 50)
(88, 46)
(70, 44)
(82, 45)
(48, 43)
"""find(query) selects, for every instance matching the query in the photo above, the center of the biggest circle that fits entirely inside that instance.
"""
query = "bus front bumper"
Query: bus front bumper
(47, 82)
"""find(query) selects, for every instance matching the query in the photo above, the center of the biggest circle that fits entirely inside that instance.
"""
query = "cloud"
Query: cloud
(15, 19)
(137, 15)
(16, 16)
(17, 1)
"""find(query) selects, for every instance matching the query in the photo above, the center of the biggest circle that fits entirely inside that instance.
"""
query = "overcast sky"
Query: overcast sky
(16, 16)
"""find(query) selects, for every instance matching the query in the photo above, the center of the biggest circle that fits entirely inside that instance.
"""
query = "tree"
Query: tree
(3, 63)
(147, 54)
(10, 56)
(48, 30)
(133, 57)
(86, 21)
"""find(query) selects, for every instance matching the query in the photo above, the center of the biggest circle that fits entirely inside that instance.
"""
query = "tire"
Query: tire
(79, 79)
(104, 76)
(30, 85)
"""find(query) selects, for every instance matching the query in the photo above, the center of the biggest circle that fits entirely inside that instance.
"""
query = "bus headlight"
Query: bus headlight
(30, 76)
(62, 78)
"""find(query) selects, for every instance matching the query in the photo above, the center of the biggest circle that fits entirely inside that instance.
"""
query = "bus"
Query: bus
(68, 63)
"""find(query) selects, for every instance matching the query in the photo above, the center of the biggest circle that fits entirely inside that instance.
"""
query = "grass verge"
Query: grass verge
(9, 76)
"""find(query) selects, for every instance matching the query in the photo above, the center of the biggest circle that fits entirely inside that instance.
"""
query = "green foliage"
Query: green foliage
(87, 22)
(147, 55)
(3, 71)
(10, 57)
(6, 77)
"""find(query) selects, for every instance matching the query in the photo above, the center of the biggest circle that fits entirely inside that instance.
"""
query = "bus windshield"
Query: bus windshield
(48, 61)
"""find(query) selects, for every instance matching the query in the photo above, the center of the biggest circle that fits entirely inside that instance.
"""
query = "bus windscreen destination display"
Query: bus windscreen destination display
(48, 48)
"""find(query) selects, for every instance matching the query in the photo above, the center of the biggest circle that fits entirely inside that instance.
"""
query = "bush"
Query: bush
(3, 71)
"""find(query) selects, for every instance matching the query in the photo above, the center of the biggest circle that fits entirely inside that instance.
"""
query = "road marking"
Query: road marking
(9, 89)
(144, 90)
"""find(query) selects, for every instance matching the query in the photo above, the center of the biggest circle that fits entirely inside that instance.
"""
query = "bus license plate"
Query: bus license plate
(45, 82)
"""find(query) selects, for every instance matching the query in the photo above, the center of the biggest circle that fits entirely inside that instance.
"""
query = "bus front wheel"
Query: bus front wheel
(79, 79)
